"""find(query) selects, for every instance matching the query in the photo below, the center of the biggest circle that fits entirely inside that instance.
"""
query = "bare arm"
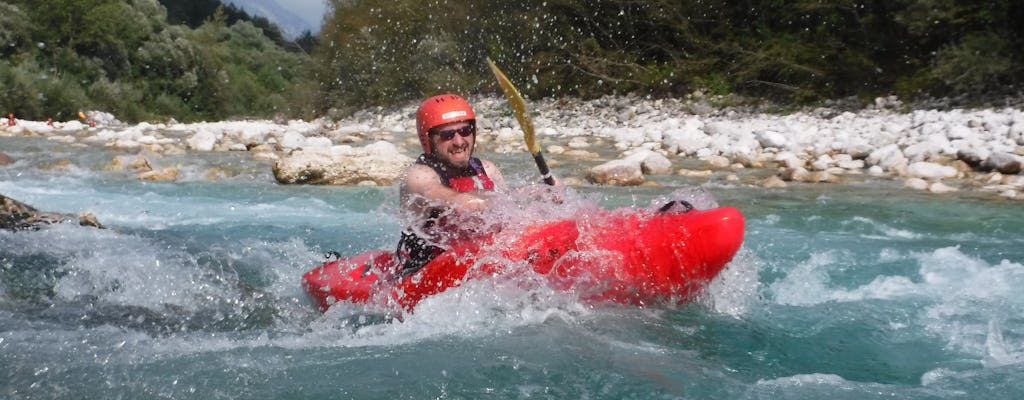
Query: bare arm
(495, 174)
(422, 186)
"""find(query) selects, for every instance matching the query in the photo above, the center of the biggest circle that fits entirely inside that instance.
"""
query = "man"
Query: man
(444, 183)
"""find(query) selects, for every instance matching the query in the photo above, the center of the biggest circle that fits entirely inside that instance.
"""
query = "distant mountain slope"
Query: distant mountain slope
(292, 19)
(194, 13)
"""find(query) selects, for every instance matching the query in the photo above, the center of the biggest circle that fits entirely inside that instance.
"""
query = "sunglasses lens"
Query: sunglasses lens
(449, 134)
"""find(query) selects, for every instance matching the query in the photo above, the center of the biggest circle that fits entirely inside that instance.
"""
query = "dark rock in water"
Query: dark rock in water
(5, 160)
(1006, 163)
(15, 215)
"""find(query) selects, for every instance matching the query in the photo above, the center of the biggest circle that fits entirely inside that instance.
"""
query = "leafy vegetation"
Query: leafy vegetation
(199, 59)
(122, 56)
(793, 51)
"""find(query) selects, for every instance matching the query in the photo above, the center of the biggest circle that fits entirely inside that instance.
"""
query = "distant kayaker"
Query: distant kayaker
(10, 119)
(444, 182)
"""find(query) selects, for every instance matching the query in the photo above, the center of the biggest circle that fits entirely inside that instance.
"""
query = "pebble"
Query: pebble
(932, 150)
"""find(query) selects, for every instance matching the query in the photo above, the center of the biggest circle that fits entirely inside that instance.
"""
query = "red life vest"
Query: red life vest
(468, 179)
(414, 251)
(472, 177)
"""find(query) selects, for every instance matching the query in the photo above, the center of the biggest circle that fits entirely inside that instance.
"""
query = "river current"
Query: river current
(857, 291)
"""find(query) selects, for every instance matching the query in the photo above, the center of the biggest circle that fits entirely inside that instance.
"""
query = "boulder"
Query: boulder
(789, 159)
(916, 183)
(803, 175)
(768, 138)
(137, 163)
(772, 182)
(1007, 163)
(888, 157)
(165, 175)
(927, 170)
(685, 141)
(380, 162)
(973, 156)
(651, 163)
(717, 161)
(617, 172)
(939, 187)
(202, 141)
(5, 160)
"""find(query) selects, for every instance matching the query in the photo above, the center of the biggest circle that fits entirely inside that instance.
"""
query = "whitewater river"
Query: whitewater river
(859, 291)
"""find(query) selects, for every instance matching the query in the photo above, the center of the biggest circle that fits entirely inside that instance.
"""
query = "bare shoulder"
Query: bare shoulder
(420, 171)
(419, 177)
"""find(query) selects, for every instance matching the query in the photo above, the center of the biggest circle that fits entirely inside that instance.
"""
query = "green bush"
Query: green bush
(123, 57)
(978, 63)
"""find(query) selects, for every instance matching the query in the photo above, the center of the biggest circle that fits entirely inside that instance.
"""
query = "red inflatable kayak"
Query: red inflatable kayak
(626, 256)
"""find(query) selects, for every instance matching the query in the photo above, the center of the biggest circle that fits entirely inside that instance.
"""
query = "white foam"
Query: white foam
(972, 300)
(976, 304)
(805, 380)
(884, 231)
(807, 283)
(945, 273)
(735, 290)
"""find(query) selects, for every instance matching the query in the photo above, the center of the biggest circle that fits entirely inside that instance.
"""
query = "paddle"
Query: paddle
(519, 107)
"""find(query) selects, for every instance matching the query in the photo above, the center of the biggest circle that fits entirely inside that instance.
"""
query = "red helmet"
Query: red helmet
(440, 110)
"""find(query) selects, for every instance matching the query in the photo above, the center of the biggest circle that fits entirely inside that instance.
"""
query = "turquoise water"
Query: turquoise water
(844, 292)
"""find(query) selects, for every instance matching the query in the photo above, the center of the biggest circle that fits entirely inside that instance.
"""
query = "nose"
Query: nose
(460, 140)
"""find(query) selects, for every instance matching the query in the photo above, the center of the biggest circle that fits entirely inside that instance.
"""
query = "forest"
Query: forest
(201, 60)
(126, 57)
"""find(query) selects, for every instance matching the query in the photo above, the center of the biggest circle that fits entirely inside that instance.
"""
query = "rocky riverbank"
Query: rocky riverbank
(627, 139)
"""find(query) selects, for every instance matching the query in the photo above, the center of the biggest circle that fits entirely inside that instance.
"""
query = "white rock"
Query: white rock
(554, 149)
(939, 187)
(768, 138)
(927, 170)
(685, 141)
(887, 157)
(823, 162)
(317, 142)
(617, 172)
(578, 142)
(292, 140)
(379, 162)
(916, 183)
(651, 162)
(716, 161)
(959, 132)
(203, 140)
(851, 164)
(789, 160)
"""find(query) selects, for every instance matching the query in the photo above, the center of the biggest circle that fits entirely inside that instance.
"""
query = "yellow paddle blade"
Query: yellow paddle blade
(518, 106)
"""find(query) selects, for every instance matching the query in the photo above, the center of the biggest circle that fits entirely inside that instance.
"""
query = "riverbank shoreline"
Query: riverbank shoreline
(622, 141)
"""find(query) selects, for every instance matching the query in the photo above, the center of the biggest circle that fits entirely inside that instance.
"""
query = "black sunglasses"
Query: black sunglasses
(449, 134)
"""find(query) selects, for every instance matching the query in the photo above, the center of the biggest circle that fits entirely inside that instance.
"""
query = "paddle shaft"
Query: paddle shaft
(543, 167)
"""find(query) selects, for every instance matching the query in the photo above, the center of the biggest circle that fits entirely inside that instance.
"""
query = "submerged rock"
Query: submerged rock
(15, 215)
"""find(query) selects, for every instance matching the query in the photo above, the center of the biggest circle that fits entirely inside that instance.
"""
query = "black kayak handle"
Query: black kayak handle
(668, 206)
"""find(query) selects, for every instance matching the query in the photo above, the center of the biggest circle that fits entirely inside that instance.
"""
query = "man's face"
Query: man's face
(449, 144)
